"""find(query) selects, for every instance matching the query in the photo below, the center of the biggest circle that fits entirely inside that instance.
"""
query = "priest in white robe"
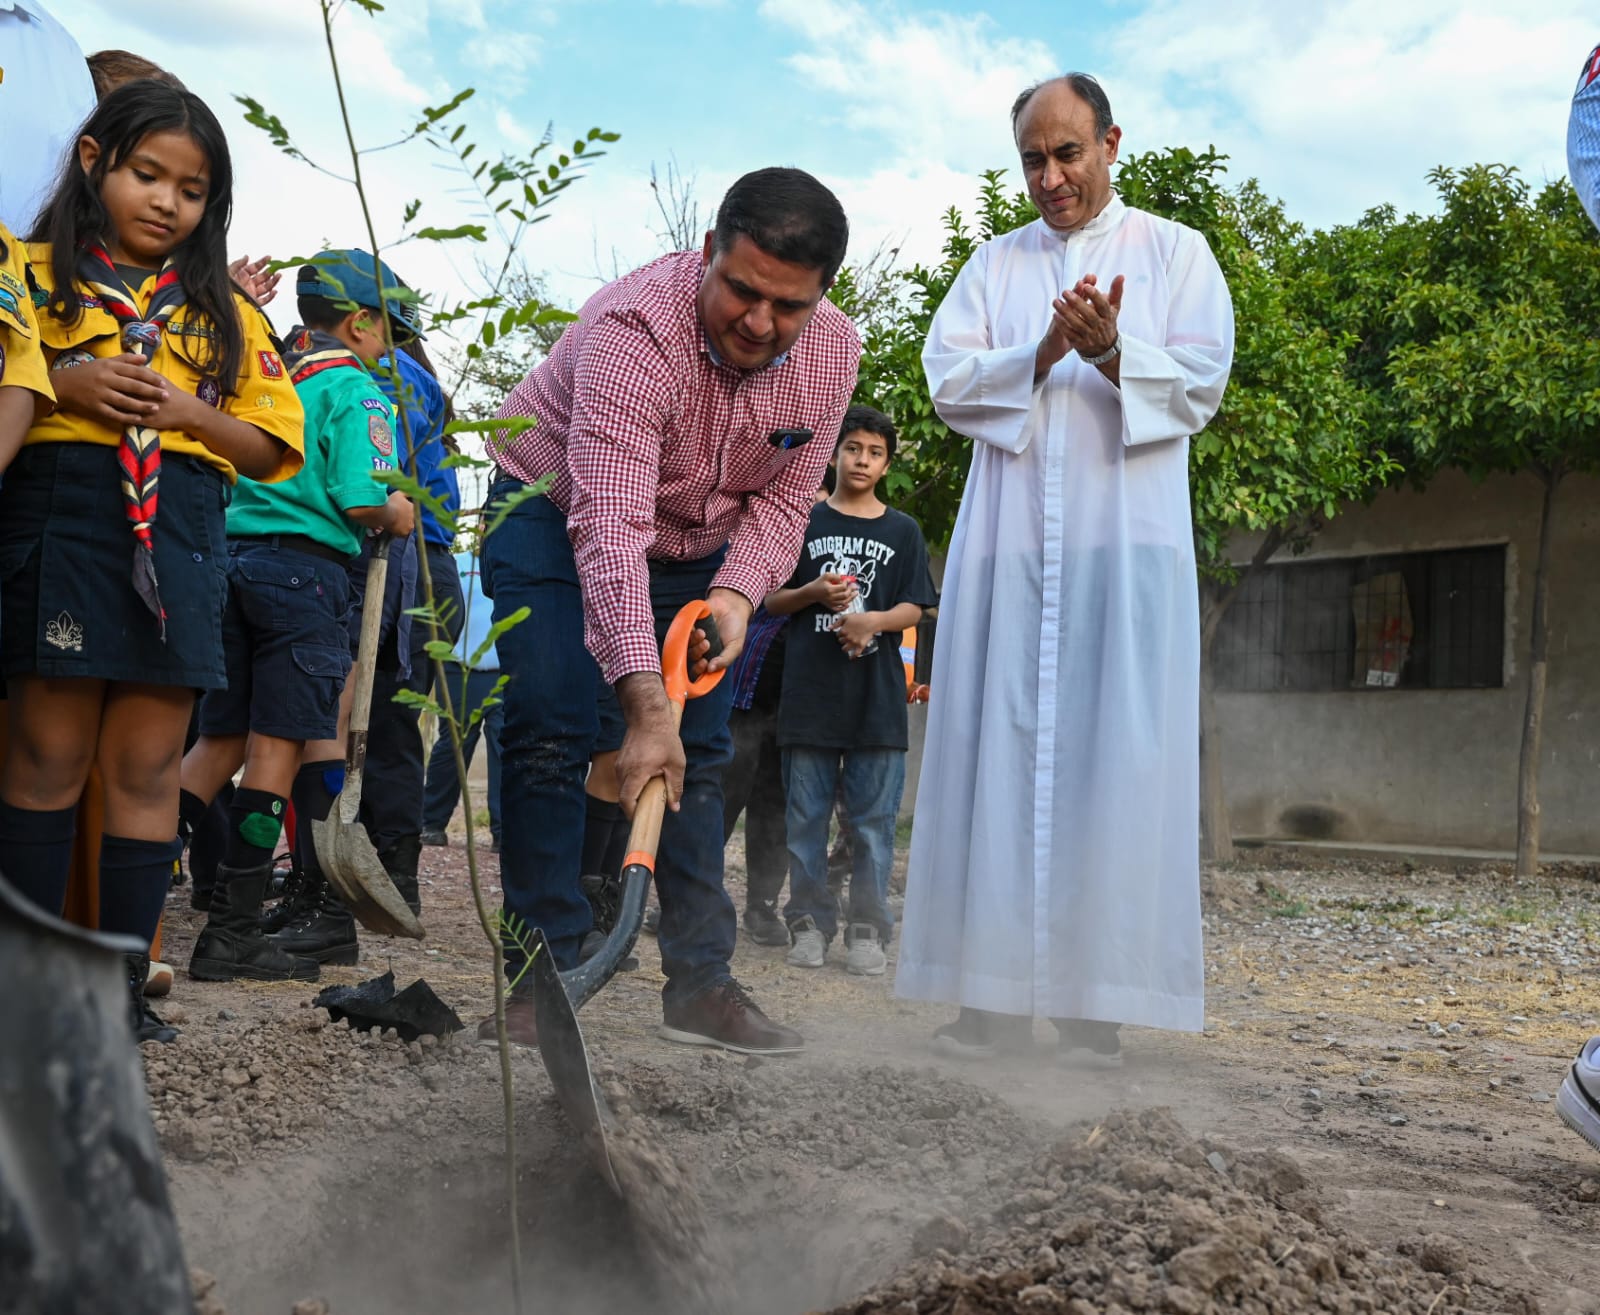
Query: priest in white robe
(1054, 867)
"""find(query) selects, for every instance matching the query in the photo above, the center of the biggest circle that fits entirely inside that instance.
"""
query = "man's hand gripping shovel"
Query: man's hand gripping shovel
(557, 996)
(344, 848)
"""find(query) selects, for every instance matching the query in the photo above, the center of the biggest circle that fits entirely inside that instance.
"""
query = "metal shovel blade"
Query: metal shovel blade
(351, 863)
(566, 1058)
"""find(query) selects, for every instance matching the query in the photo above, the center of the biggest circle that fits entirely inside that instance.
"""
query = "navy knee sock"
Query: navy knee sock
(605, 837)
(134, 878)
(316, 785)
(36, 852)
(255, 821)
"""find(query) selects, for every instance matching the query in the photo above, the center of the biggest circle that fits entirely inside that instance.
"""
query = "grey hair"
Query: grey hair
(1087, 89)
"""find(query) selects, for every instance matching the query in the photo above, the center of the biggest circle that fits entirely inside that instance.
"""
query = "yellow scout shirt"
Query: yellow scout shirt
(22, 363)
(265, 396)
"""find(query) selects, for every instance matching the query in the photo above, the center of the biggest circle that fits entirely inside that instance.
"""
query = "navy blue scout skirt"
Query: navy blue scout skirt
(67, 603)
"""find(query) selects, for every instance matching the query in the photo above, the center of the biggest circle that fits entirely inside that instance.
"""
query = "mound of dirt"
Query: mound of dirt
(1133, 1214)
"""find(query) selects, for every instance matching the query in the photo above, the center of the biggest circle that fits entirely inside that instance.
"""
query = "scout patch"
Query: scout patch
(209, 391)
(71, 357)
(378, 463)
(9, 301)
(374, 404)
(1591, 70)
(265, 402)
(271, 366)
(381, 435)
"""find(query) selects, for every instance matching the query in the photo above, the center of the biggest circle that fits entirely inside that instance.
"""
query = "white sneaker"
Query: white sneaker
(810, 948)
(1578, 1101)
(158, 981)
(865, 957)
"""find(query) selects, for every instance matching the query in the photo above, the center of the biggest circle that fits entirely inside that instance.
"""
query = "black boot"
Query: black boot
(605, 902)
(231, 945)
(324, 931)
(299, 896)
(400, 862)
(146, 1026)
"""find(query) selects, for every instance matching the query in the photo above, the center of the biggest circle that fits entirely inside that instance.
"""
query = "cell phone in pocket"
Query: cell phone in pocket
(789, 438)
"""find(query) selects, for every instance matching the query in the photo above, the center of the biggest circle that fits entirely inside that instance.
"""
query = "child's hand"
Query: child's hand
(248, 275)
(118, 390)
(402, 515)
(856, 630)
(834, 591)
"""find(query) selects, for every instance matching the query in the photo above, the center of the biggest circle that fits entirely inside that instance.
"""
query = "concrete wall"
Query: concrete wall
(1439, 767)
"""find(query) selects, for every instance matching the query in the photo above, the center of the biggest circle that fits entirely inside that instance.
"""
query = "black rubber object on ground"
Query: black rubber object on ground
(413, 1012)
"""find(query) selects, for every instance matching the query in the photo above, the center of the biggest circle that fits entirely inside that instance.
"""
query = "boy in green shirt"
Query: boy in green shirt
(284, 629)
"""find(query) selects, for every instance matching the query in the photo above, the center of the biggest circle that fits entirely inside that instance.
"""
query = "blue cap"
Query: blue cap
(349, 276)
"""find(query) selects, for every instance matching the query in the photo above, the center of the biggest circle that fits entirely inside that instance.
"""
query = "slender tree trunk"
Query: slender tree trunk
(1533, 713)
(1216, 832)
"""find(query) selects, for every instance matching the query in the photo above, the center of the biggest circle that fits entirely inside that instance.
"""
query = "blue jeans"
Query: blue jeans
(442, 792)
(552, 726)
(870, 783)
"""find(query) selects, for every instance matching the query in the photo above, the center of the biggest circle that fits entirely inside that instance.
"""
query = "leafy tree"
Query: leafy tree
(1288, 446)
(1291, 440)
(1494, 369)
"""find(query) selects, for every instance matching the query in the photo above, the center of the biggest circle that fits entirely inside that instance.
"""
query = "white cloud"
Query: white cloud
(932, 86)
(1341, 106)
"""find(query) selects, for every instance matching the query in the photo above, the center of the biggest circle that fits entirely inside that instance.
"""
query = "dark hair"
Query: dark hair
(789, 215)
(110, 69)
(1085, 87)
(74, 214)
(321, 313)
(873, 421)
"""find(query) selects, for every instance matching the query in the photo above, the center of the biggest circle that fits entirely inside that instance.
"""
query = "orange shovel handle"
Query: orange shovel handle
(675, 655)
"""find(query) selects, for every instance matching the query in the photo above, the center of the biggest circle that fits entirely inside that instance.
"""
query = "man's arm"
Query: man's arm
(1170, 390)
(983, 391)
(1583, 137)
(622, 394)
(765, 544)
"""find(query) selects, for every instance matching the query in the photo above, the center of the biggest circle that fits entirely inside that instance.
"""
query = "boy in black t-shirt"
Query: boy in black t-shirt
(863, 572)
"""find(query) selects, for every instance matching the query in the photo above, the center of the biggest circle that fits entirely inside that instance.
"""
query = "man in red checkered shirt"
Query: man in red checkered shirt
(675, 418)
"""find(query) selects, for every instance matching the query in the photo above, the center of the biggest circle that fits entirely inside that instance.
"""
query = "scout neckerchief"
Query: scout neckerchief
(311, 351)
(139, 453)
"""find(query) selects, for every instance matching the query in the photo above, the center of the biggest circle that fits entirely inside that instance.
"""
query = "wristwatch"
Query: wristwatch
(1110, 353)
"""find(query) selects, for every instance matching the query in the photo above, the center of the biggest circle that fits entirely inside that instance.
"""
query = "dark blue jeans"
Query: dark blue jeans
(552, 724)
(442, 792)
(870, 782)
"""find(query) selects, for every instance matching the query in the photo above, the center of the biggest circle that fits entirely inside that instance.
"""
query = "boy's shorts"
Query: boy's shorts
(283, 640)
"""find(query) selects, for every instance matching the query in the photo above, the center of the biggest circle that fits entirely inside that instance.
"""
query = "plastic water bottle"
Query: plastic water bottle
(856, 605)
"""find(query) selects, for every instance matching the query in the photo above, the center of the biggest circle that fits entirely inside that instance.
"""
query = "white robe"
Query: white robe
(1055, 851)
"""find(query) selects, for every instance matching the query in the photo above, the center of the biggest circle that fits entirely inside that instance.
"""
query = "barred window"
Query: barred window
(1420, 620)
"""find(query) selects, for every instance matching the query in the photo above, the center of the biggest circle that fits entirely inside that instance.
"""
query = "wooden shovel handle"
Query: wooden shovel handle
(355, 754)
(651, 810)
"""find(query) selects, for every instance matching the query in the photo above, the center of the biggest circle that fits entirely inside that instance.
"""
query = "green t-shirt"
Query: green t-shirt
(349, 434)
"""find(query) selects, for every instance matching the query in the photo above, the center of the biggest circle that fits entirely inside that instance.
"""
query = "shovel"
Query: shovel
(557, 996)
(343, 846)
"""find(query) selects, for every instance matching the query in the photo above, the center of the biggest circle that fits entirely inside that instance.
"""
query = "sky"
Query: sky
(1334, 105)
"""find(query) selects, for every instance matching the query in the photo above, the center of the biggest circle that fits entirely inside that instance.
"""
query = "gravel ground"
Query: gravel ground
(1375, 1077)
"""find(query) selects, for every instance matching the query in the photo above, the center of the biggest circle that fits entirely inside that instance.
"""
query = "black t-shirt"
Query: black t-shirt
(829, 700)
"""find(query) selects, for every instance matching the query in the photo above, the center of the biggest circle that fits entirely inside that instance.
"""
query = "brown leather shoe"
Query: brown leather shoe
(521, 1027)
(725, 1015)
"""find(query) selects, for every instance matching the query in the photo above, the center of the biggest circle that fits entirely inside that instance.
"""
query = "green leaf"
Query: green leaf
(474, 231)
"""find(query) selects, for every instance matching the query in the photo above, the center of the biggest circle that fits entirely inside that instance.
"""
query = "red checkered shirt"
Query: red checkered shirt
(660, 451)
